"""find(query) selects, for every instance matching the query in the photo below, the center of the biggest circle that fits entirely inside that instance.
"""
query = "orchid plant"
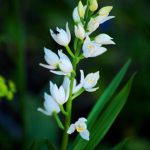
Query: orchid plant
(87, 19)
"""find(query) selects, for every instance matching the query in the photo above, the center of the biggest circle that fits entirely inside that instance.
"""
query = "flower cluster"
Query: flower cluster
(87, 19)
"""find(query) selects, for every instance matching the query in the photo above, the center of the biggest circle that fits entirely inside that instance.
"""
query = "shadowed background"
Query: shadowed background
(24, 31)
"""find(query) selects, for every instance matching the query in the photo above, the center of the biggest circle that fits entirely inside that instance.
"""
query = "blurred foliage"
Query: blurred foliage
(7, 90)
(24, 31)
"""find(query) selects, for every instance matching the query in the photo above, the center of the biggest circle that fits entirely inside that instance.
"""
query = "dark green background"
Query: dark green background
(24, 31)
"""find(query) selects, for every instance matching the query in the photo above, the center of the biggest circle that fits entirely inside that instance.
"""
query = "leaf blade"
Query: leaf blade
(109, 115)
(104, 99)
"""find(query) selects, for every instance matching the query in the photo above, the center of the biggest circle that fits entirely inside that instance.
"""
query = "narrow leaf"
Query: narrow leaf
(108, 116)
(103, 100)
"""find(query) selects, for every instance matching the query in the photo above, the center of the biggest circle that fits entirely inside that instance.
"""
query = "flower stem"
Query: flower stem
(69, 51)
(63, 110)
(58, 120)
(77, 94)
(68, 109)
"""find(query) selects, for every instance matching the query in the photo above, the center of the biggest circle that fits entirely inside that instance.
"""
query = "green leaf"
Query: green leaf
(121, 145)
(103, 100)
(108, 116)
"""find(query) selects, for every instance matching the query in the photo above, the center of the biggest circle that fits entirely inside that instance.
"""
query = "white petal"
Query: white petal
(50, 57)
(62, 98)
(75, 15)
(47, 66)
(50, 105)
(92, 89)
(59, 72)
(77, 88)
(85, 135)
(66, 83)
(65, 66)
(82, 119)
(99, 51)
(104, 39)
(44, 111)
(82, 76)
(51, 87)
(62, 55)
(106, 19)
(68, 32)
(71, 129)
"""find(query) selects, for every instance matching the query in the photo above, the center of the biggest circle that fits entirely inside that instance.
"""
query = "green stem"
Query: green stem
(68, 108)
(75, 43)
(58, 120)
(69, 51)
(77, 94)
(63, 110)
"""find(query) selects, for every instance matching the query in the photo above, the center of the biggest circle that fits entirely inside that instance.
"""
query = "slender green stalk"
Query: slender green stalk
(77, 94)
(68, 108)
(69, 51)
(63, 110)
(76, 58)
(58, 120)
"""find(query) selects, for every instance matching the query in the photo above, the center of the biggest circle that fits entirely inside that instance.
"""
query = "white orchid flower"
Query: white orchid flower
(61, 36)
(81, 127)
(92, 49)
(90, 81)
(79, 31)
(65, 64)
(101, 18)
(58, 94)
(51, 58)
(50, 106)
(104, 39)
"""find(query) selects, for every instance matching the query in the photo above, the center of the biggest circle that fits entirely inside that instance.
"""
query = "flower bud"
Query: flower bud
(75, 15)
(104, 39)
(81, 10)
(93, 5)
(104, 11)
(79, 31)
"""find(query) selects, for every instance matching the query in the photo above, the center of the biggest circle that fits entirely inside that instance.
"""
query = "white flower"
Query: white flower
(58, 94)
(103, 39)
(65, 64)
(51, 58)
(61, 36)
(79, 31)
(81, 127)
(90, 81)
(93, 5)
(92, 49)
(50, 106)
(101, 18)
